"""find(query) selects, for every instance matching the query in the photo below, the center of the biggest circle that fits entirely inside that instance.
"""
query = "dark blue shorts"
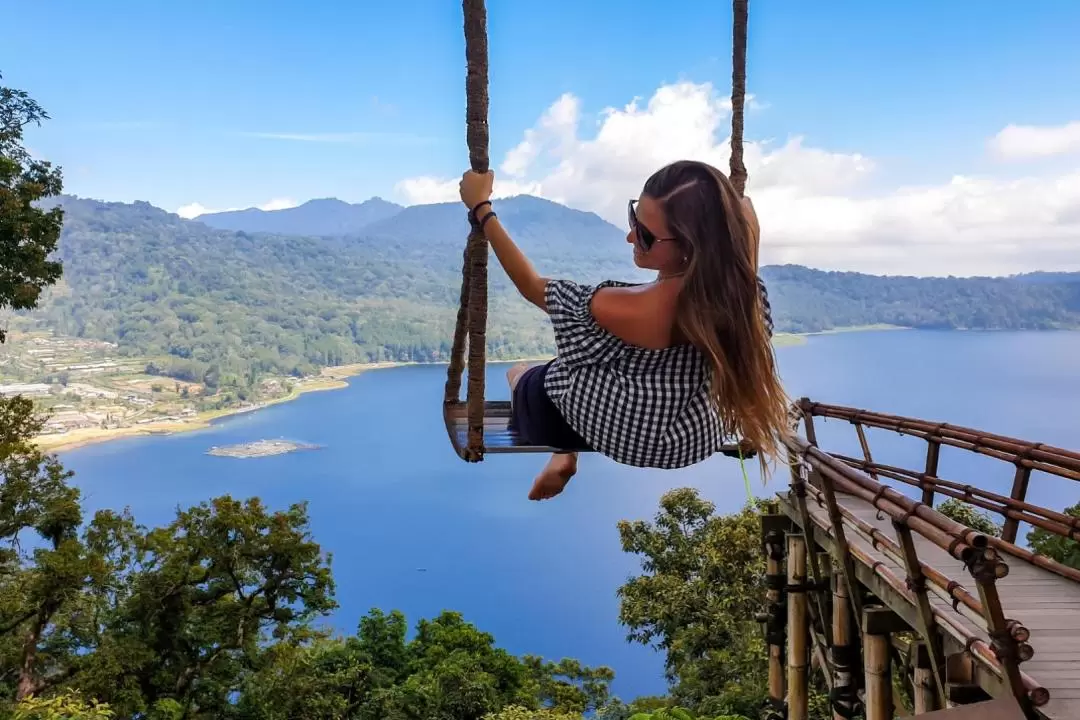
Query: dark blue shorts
(536, 419)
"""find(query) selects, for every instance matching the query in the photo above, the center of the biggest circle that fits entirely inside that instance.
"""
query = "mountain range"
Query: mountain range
(325, 216)
(287, 291)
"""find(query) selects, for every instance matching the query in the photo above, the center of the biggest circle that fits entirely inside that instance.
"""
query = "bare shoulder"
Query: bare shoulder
(638, 315)
(615, 303)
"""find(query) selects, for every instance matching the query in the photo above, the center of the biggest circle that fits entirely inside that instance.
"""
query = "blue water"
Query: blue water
(387, 496)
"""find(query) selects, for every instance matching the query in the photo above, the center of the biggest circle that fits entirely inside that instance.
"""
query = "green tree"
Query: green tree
(517, 712)
(37, 585)
(68, 705)
(618, 710)
(199, 600)
(677, 713)
(696, 600)
(967, 514)
(320, 678)
(28, 234)
(1054, 546)
(450, 669)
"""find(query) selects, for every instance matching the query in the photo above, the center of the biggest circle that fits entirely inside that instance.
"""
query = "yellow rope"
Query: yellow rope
(745, 476)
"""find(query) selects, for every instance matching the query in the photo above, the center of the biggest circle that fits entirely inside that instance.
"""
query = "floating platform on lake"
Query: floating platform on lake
(259, 448)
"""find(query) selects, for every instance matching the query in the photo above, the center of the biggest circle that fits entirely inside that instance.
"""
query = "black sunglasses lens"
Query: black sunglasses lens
(644, 238)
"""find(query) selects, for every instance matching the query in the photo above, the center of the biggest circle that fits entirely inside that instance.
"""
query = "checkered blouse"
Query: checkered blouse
(641, 407)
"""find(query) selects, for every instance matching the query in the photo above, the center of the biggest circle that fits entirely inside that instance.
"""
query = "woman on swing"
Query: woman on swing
(657, 374)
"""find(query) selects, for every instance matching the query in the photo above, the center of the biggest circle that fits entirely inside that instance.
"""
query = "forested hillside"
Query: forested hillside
(326, 216)
(811, 300)
(252, 303)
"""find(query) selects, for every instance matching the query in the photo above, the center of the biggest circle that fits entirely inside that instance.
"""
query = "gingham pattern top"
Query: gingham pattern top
(641, 407)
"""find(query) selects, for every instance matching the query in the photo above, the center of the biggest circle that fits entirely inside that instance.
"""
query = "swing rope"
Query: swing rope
(471, 326)
(738, 92)
(473, 310)
(737, 174)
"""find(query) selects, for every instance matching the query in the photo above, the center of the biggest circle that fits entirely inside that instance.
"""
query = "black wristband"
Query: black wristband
(472, 213)
(486, 218)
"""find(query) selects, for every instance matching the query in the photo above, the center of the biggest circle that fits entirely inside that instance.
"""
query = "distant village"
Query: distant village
(81, 383)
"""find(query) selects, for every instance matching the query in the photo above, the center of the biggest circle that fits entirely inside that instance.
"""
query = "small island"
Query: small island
(259, 448)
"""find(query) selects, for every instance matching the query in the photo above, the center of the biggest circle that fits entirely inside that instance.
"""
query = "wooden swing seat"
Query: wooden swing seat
(499, 438)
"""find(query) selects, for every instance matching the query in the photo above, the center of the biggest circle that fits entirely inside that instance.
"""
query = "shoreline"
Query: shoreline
(331, 378)
(328, 379)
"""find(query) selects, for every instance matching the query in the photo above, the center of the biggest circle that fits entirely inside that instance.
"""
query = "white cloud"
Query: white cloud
(283, 203)
(194, 210)
(1028, 142)
(812, 202)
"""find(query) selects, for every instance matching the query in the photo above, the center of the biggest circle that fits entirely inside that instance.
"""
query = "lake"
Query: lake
(412, 527)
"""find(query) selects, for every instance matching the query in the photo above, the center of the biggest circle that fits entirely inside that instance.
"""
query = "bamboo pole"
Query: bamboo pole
(1008, 548)
(978, 649)
(878, 671)
(986, 569)
(865, 447)
(943, 586)
(798, 631)
(933, 454)
(928, 626)
(1063, 523)
(1019, 493)
(923, 680)
(841, 550)
(774, 569)
(843, 649)
(825, 562)
(951, 536)
(816, 607)
(808, 421)
(1054, 460)
(940, 584)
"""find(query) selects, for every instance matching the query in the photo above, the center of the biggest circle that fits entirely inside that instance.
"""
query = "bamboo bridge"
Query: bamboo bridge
(897, 611)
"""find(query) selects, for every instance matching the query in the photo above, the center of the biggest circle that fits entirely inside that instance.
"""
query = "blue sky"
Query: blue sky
(149, 100)
(175, 103)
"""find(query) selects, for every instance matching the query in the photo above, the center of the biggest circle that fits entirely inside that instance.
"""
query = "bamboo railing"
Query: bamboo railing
(972, 619)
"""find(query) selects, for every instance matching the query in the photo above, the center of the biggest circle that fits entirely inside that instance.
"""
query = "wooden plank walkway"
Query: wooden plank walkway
(1046, 603)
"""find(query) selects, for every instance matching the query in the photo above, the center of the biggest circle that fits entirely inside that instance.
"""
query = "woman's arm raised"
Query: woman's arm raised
(517, 266)
(476, 189)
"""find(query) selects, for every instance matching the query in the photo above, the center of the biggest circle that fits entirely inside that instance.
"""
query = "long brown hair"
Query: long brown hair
(722, 308)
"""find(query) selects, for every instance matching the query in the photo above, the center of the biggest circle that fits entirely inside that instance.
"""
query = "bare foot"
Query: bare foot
(514, 374)
(554, 477)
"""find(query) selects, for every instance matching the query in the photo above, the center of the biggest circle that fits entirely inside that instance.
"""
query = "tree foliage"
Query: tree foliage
(450, 669)
(677, 713)
(28, 234)
(969, 515)
(696, 600)
(67, 705)
(1054, 546)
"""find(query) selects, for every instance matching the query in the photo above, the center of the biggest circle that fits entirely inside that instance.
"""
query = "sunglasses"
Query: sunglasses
(644, 237)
